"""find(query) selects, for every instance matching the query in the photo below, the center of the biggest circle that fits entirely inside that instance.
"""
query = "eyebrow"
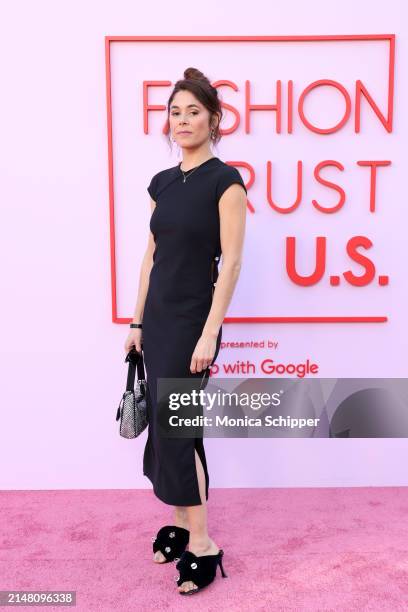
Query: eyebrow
(188, 106)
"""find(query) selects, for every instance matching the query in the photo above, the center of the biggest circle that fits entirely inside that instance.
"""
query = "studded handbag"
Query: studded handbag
(132, 410)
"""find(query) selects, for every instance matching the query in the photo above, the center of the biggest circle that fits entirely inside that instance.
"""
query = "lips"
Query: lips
(184, 132)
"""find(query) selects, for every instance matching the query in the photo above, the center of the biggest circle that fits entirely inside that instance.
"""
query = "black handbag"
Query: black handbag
(132, 410)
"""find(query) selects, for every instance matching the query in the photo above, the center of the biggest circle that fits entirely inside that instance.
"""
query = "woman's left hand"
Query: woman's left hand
(203, 353)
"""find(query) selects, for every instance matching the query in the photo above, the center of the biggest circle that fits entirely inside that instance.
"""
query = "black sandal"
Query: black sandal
(171, 541)
(200, 570)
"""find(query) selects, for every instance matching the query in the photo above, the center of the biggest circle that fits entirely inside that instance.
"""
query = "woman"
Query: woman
(198, 212)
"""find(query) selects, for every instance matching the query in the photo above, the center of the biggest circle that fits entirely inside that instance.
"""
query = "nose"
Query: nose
(182, 119)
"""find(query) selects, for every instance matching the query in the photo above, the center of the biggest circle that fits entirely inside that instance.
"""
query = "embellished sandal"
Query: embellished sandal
(171, 541)
(200, 570)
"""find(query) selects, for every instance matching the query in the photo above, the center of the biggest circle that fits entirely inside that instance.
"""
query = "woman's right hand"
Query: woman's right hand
(134, 339)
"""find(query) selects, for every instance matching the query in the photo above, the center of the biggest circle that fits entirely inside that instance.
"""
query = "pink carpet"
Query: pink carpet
(285, 549)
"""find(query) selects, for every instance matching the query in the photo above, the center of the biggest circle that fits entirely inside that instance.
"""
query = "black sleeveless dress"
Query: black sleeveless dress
(186, 228)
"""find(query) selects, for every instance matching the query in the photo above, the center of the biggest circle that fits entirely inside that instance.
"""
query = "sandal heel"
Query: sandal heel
(224, 575)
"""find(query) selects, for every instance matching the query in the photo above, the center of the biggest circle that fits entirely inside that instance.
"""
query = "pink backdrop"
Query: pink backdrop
(62, 357)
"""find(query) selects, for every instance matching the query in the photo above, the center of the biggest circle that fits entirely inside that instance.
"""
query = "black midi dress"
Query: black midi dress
(186, 229)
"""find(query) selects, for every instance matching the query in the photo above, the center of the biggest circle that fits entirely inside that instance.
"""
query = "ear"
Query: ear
(215, 120)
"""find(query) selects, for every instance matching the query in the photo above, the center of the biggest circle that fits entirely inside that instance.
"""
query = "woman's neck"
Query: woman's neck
(191, 160)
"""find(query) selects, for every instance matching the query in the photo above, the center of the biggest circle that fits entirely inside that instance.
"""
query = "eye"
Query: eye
(192, 112)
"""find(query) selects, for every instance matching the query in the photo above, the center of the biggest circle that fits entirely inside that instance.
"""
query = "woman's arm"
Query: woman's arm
(232, 208)
(135, 335)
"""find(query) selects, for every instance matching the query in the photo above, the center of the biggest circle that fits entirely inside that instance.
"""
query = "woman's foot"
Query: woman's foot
(199, 549)
(158, 556)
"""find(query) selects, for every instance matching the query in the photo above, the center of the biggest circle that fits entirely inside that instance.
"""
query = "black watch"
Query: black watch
(133, 325)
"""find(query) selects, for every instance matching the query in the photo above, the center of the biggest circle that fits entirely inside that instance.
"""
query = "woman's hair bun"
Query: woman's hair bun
(195, 74)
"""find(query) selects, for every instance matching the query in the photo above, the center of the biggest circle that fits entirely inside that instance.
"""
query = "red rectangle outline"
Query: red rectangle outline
(309, 38)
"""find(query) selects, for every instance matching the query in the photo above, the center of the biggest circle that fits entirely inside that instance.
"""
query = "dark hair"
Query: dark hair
(196, 82)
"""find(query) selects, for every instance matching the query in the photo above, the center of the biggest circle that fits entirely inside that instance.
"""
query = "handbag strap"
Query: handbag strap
(206, 375)
(135, 361)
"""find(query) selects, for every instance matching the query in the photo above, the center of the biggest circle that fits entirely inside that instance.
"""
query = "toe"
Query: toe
(187, 586)
(159, 557)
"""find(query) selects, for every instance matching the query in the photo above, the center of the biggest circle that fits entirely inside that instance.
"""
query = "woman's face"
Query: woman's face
(188, 115)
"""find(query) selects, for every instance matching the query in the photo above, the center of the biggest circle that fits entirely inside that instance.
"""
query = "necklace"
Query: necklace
(185, 176)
